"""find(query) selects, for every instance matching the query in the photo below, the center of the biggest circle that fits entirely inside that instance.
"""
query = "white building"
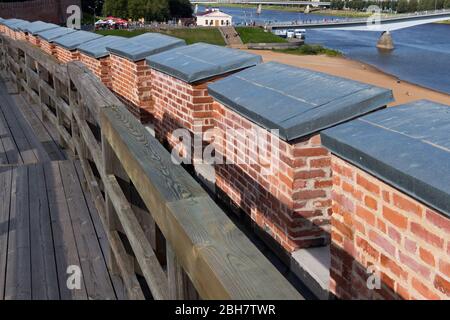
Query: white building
(213, 18)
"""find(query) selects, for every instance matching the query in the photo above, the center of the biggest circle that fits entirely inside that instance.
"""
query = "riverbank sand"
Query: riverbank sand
(339, 66)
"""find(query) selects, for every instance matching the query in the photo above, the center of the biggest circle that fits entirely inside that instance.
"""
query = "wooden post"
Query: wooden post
(180, 286)
(59, 113)
(111, 216)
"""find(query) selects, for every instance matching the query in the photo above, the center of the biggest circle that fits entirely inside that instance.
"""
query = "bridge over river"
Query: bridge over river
(376, 23)
(263, 2)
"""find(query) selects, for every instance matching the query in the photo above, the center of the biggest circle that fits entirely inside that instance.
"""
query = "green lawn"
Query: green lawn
(257, 35)
(122, 33)
(207, 35)
(311, 49)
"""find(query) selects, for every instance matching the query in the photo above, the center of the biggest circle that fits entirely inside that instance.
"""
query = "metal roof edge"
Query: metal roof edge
(413, 187)
(377, 102)
(264, 123)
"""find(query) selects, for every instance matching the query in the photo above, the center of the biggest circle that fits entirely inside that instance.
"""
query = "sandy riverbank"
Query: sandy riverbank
(346, 68)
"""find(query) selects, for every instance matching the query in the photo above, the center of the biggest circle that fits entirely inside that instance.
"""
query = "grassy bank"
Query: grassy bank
(257, 35)
(207, 35)
(311, 49)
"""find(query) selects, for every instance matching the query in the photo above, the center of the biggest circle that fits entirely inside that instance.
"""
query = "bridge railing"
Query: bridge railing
(336, 20)
(162, 227)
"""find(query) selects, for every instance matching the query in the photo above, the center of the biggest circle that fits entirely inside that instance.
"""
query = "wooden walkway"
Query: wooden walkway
(48, 223)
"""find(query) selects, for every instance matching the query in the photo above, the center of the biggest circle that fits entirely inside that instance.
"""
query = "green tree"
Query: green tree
(117, 8)
(413, 5)
(447, 4)
(402, 6)
(136, 9)
(151, 10)
(180, 8)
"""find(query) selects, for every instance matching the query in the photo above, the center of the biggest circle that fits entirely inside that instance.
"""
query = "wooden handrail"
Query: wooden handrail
(206, 253)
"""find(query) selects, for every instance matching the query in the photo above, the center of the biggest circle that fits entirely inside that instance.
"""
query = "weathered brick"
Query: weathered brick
(395, 218)
(427, 257)
(382, 242)
(410, 250)
(426, 235)
(366, 215)
(444, 267)
(415, 265)
(406, 204)
(424, 290)
(442, 285)
(366, 184)
(438, 220)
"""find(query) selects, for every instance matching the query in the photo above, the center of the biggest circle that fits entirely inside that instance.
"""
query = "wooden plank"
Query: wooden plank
(149, 264)
(18, 104)
(218, 258)
(10, 148)
(124, 264)
(24, 146)
(93, 91)
(65, 247)
(43, 265)
(118, 284)
(95, 273)
(48, 144)
(18, 270)
(5, 203)
(3, 152)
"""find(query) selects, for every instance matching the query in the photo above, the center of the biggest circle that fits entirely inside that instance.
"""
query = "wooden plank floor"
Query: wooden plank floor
(48, 224)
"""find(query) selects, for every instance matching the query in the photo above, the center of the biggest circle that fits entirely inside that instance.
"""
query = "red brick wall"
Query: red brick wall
(132, 81)
(19, 35)
(100, 67)
(34, 40)
(294, 204)
(48, 47)
(9, 32)
(375, 224)
(45, 10)
(178, 104)
(64, 55)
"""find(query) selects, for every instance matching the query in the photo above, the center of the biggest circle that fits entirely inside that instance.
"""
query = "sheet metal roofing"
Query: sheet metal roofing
(139, 47)
(14, 23)
(73, 40)
(38, 26)
(297, 102)
(53, 34)
(97, 48)
(406, 146)
(21, 26)
(11, 22)
(201, 61)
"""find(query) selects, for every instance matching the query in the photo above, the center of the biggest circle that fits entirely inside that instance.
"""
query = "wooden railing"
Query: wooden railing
(161, 225)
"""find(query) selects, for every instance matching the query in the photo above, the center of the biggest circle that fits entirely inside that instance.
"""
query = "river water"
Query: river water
(421, 55)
